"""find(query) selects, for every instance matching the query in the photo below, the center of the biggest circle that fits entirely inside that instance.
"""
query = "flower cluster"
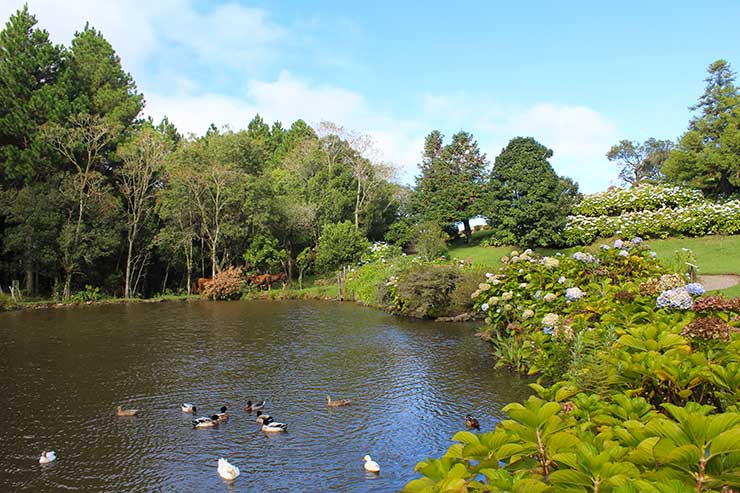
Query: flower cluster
(677, 298)
(716, 303)
(573, 294)
(584, 257)
(550, 322)
(708, 328)
(695, 288)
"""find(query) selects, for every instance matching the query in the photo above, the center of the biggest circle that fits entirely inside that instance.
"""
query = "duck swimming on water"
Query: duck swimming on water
(471, 423)
(254, 407)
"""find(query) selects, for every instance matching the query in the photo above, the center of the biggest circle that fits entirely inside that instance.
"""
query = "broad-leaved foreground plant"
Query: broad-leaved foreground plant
(638, 372)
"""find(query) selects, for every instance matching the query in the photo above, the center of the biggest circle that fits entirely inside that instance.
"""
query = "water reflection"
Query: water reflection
(64, 372)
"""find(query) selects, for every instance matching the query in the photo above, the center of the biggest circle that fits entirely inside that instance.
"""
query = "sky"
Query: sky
(578, 76)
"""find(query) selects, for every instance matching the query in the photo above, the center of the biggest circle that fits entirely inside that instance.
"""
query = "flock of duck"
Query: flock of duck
(225, 469)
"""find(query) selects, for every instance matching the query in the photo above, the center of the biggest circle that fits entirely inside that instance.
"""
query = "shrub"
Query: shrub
(645, 197)
(88, 294)
(226, 285)
(7, 303)
(340, 244)
(423, 291)
(431, 240)
(695, 219)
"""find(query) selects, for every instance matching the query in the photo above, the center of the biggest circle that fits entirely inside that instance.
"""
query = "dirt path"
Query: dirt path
(719, 281)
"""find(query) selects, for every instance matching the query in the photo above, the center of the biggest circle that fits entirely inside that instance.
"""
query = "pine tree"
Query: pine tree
(452, 179)
(30, 95)
(708, 154)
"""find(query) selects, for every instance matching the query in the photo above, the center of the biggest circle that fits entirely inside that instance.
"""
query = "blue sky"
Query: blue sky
(577, 76)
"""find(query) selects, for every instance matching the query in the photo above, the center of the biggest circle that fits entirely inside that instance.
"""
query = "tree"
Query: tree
(97, 83)
(339, 244)
(215, 189)
(431, 240)
(143, 156)
(452, 180)
(640, 162)
(526, 195)
(708, 154)
(81, 144)
(30, 96)
(264, 254)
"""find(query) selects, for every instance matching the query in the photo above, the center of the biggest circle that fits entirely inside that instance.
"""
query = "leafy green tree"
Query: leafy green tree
(640, 162)
(144, 157)
(708, 154)
(340, 244)
(305, 261)
(30, 96)
(452, 180)
(264, 254)
(526, 194)
(85, 233)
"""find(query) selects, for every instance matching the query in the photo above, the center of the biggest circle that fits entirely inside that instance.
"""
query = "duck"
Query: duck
(126, 412)
(205, 422)
(188, 408)
(47, 456)
(254, 407)
(269, 425)
(370, 464)
(471, 423)
(262, 417)
(339, 403)
(227, 471)
(222, 416)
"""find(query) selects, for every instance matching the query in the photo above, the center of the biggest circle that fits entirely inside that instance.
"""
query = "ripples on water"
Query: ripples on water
(64, 371)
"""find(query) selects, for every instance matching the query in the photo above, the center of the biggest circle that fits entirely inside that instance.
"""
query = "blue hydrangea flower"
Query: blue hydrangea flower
(695, 288)
(548, 330)
(484, 307)
(537, 294)
(623, 253)
(618, 244)
(636, 240)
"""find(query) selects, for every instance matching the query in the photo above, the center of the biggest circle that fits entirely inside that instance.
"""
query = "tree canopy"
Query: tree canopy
(526, 197)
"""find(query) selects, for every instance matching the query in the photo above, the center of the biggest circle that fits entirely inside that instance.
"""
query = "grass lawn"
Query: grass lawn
(716, 254)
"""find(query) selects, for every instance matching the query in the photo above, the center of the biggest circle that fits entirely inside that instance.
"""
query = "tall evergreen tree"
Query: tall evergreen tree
(526, 195)
(30, 95)
(708, 154)
(452, 180)
(97, 83)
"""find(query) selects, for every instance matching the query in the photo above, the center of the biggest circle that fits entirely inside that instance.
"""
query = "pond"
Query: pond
(64, 372)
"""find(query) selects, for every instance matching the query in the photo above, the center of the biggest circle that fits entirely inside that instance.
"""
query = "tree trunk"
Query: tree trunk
(67, 283)
(468, 232)
(357, 206)
(29, 281)
(127, 288)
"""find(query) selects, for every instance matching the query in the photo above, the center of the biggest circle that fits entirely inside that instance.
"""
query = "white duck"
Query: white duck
(227, 471)
(269, 425)
(371, 465)
(47, 457)
(188, 408)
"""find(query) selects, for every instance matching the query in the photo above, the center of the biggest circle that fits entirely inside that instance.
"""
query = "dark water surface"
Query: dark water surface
(62, 372)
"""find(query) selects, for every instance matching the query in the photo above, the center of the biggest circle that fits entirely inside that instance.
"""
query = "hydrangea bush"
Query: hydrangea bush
(694, 219)
(616, 201)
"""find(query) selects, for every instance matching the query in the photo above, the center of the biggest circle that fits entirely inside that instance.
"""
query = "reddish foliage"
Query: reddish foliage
(226, 285)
